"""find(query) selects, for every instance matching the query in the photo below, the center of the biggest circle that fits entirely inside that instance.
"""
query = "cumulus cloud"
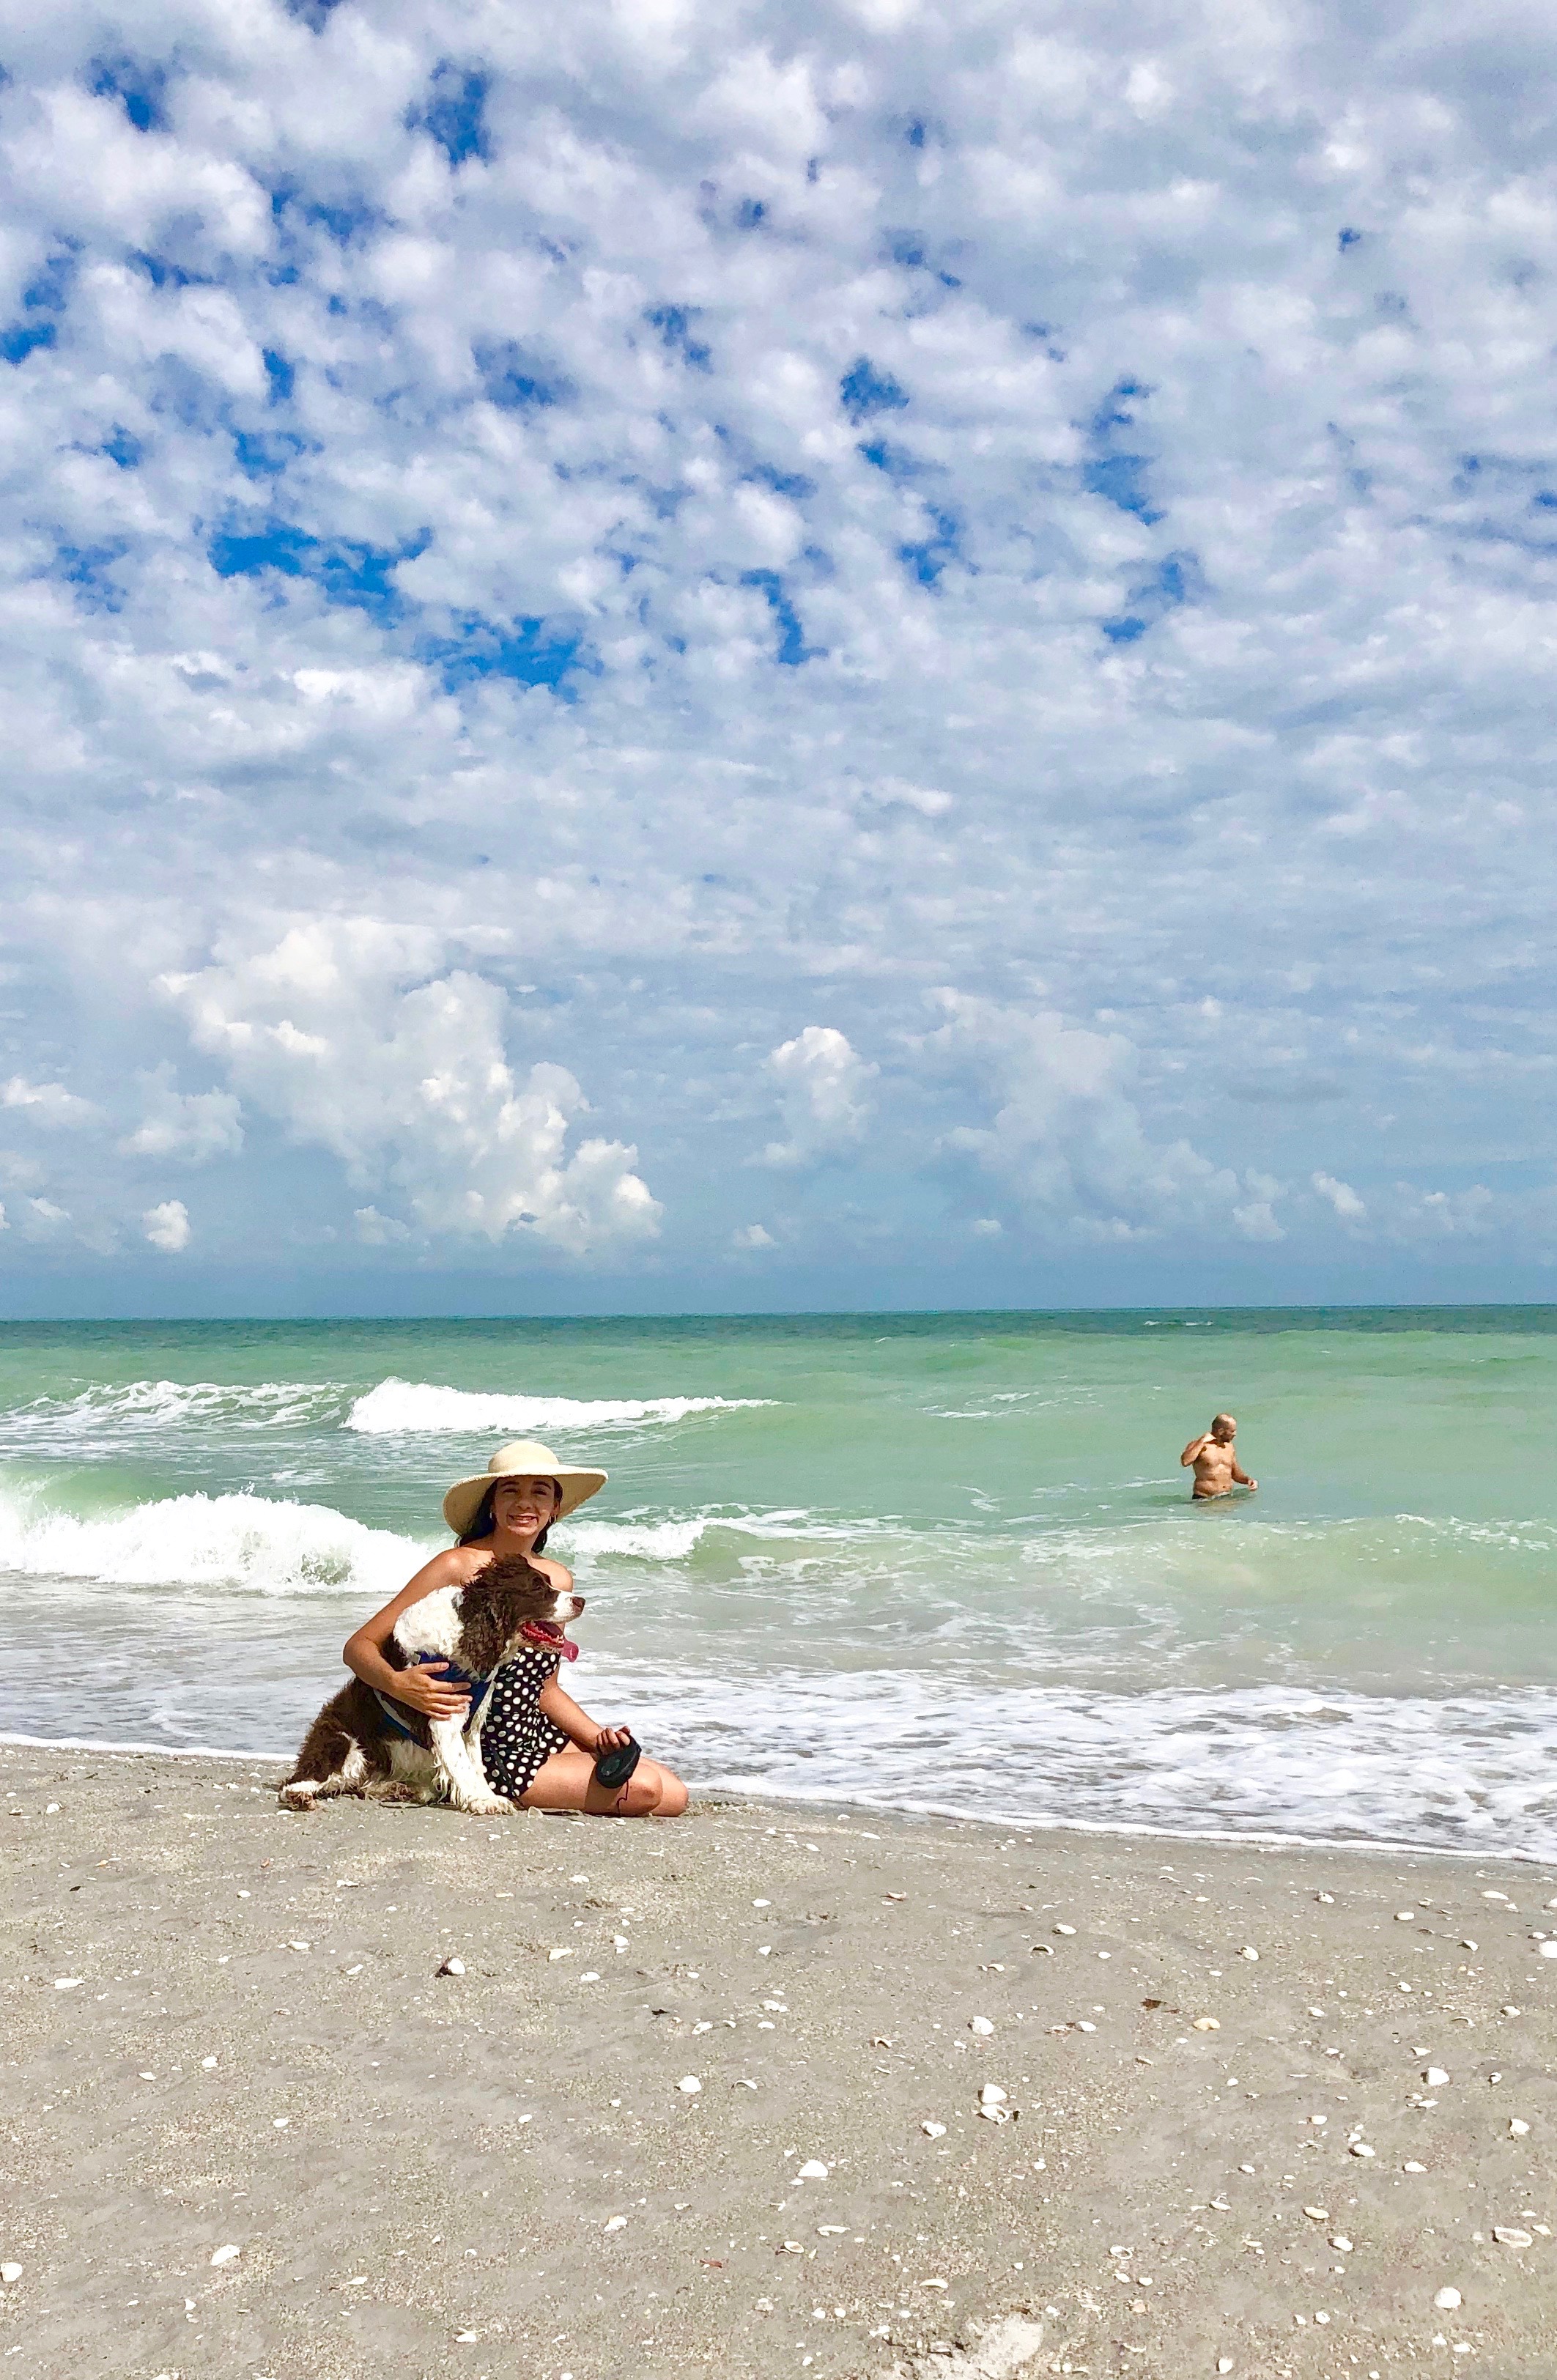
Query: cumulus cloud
(409, 1086)
(750, 1237)
(1342, 1197)
(823, 1085)
(1064, 1136)
(694, 511)
(167, 1226)
(194, 1126)
(48, 1104)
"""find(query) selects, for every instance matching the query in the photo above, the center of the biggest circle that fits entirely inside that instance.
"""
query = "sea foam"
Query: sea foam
(248, 1543)
(418, 1408)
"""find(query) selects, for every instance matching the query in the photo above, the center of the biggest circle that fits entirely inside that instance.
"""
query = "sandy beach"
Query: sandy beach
(251, 2129)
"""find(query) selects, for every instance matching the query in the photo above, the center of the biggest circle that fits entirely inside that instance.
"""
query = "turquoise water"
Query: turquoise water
(930, 1561)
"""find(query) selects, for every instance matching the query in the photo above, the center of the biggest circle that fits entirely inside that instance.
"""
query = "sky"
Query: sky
(698, 655)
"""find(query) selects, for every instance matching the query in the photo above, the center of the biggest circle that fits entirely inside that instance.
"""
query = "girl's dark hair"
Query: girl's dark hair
(481, 1522)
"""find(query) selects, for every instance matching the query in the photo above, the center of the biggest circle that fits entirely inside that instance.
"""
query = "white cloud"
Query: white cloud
(1342, 1197)
(1064, 1136)
(48, 1103)
(824, 1088)
(751, 515)
(194, 1126)
(750, 1236)
(411, 1089)
(376, 1230)
(167, 1226)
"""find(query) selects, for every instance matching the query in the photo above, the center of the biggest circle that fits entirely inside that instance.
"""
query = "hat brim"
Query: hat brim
(464, 1499)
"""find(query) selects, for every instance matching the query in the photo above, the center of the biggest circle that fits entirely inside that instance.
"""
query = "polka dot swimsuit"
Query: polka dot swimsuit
(516, 1738)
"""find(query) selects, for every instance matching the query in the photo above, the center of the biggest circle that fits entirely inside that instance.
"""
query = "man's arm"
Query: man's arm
(1241, 1477)
(1195, 1446)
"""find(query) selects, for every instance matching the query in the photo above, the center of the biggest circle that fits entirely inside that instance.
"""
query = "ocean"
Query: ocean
(934, 1562)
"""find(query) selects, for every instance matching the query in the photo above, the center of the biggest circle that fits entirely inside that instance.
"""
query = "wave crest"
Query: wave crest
(419, 1408)
(247, 1543)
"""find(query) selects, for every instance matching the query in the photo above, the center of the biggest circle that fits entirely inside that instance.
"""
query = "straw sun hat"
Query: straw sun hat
(520, 1455)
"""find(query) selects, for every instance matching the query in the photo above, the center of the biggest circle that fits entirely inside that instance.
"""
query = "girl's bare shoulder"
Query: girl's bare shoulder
(558, 1573)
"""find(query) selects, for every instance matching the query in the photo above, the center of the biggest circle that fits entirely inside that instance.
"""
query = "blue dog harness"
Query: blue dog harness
(478, 1687)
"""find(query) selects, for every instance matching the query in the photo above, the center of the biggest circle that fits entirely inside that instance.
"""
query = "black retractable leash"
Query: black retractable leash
(614, 1767)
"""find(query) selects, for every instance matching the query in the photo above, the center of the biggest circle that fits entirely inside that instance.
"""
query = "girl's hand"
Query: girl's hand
(425, 1689)
(611, 1739)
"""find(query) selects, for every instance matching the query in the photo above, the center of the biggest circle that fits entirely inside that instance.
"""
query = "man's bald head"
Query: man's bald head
(1223, 1428)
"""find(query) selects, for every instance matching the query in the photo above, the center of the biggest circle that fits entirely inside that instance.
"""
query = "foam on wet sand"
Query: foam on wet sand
(320, 2097)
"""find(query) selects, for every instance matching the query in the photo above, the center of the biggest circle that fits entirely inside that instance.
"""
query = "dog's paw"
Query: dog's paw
(297, 1797)
(489, 1805)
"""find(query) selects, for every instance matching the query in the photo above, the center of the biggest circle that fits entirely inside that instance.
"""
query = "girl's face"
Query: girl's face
(525, 1505)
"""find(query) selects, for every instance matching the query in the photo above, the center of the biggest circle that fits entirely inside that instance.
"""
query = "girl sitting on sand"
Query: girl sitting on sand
(537, 1747)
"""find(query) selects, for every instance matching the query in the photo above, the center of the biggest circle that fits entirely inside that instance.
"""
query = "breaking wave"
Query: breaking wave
(244, 1542)
(417, 1407)
(100, 1418)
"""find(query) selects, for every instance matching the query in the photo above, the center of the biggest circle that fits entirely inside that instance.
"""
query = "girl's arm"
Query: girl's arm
(586, 1732)
(422, 1687)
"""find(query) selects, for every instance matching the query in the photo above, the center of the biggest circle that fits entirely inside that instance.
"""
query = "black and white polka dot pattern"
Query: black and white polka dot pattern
(517, 1739)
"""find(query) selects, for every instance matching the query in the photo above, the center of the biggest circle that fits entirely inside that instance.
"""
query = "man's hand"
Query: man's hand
(426, 1690)
(611, 1739)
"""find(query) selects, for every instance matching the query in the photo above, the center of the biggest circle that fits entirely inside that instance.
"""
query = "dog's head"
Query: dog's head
(524, 1600)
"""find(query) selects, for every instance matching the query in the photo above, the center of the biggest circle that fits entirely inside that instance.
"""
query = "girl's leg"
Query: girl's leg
(566, 1781)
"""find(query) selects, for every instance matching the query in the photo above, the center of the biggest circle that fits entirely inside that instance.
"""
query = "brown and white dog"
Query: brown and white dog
(368, 1745)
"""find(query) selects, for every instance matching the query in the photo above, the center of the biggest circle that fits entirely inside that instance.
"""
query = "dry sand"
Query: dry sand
(225, 2029)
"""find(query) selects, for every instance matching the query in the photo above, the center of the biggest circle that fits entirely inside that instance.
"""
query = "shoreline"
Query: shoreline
(423, 2074)
(1024, 1829)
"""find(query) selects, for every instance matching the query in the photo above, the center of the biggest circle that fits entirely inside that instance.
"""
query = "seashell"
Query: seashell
(1447, 2299)
(1508, 2235)
(1341, 2243)
(1083, 2025)
(1404, 1917)
(1328, 1898)
(980, 2024)
(931, 2130)
(1547, 1949)
(1517, 2127)
(452, 1967)
(617, 2223)
(831, 2230)
(11, 2272)
(812, 2171)
(1361, 2149)
(1208, 2025)
(1065, 1929)
(1250, 1952)
(68, 1983)
(1435, 2078)
(1318, 2214)
(554, 1955)
(1411, 2165)
(690, 2084)
(991, 2096)
(225, 2256)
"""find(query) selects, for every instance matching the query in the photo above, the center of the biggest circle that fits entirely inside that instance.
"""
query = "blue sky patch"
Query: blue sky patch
(453, 113)
(344, 571)
(674, 326)
(138, 89)
(864, 392)
(516, 378)
(531, 652)
(792, 649)
(1177, 579)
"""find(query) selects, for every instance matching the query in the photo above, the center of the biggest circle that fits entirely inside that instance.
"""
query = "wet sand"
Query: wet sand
(225, 2028)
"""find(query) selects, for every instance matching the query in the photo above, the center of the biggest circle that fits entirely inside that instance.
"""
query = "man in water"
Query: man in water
(1216, 1465)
